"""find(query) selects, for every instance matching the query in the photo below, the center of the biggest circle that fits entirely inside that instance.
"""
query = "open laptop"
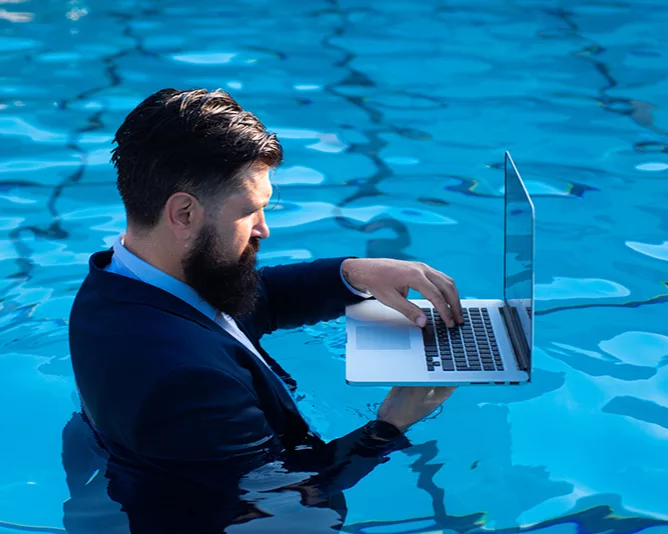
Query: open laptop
(495, 344)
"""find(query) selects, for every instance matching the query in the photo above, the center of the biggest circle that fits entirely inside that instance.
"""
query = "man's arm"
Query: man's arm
(205, 426)
(305, 293)
(301, 293)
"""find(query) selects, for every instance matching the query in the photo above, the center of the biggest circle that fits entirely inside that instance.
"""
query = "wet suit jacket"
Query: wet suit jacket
(188, 420)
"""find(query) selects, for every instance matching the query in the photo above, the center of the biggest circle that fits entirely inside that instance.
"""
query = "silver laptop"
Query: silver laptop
(495, 344)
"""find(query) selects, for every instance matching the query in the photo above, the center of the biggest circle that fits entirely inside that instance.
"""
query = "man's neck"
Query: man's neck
(148, 248)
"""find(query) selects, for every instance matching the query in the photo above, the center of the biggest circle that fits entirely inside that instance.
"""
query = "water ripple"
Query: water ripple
(394, 118)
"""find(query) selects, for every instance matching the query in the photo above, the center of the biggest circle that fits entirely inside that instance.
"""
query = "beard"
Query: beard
(229, 285)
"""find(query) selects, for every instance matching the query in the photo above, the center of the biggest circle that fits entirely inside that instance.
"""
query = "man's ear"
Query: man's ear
(184, 215)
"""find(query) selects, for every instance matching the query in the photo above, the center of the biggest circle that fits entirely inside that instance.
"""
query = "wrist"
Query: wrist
(392, 425)
(351, 273)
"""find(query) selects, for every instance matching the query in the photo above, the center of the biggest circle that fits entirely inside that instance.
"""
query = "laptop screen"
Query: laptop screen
(519, 250)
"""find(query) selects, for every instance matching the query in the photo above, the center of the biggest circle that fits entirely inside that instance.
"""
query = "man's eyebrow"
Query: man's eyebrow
(256, 207)
(269, 199)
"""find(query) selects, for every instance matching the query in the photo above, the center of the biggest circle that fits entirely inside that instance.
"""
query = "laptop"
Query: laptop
(495, 344)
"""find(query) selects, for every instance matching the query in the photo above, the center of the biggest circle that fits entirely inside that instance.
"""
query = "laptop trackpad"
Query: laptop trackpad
(383, 338)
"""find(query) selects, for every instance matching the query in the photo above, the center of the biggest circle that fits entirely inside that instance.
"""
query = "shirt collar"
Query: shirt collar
(125, 262)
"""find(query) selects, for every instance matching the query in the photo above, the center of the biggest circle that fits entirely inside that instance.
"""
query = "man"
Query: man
(165, 330)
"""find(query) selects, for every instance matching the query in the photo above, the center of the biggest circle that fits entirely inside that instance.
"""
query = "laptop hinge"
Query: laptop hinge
(517, 337)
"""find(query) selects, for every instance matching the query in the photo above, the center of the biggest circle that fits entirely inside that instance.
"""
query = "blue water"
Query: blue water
(394, 117)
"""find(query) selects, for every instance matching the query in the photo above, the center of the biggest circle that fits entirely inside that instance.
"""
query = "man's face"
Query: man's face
(220, 266)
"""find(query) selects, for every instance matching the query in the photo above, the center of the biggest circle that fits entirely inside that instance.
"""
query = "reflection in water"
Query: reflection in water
(281, 500)
(109, 495)
(640, 409)
(596, 519)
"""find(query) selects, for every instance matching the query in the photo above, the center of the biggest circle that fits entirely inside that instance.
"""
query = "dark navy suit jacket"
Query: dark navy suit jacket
(184, 412)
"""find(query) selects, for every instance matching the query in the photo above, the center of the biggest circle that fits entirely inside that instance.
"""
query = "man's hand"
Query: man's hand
(390, 280)
(405, 406)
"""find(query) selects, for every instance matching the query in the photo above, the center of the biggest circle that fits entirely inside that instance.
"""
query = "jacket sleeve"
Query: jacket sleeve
(300, 294)
(203, 425)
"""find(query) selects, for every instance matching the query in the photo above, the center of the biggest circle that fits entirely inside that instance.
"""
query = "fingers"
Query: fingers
(432, 293)
(396, 300)
(446, 286)
(440, 394)
(433, 285)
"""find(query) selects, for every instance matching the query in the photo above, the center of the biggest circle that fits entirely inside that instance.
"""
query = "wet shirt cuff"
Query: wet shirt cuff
(362, 294)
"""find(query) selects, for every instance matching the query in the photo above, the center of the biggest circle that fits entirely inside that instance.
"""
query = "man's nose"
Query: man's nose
(261, 230)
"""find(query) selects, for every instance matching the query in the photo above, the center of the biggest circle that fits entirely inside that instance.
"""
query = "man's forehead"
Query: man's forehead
(257, 186)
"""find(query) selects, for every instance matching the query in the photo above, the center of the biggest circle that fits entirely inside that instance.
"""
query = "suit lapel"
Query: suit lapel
(279, 374)
(275, 366)
(144, 293)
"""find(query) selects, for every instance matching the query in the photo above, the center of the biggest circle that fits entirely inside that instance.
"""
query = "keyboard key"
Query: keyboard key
(428, 335)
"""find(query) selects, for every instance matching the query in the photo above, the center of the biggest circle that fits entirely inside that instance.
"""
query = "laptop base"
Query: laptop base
(383, 348)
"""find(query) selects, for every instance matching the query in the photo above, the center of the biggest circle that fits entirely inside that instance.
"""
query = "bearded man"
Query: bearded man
(165, 332)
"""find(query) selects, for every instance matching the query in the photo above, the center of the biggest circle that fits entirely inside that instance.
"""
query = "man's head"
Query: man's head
(193, 173)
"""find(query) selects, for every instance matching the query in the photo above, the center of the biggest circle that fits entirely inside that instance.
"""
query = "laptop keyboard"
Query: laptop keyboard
(470, 347)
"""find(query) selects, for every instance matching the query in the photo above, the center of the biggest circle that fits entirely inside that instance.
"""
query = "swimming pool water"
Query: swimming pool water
(394, 117)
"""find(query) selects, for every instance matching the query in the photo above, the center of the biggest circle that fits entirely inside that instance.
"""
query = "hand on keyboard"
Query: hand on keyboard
(390, 280)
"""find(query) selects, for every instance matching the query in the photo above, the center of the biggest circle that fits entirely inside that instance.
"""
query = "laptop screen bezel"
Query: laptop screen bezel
(510, 169)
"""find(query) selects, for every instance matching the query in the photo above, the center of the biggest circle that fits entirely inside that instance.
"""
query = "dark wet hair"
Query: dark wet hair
(197, 142)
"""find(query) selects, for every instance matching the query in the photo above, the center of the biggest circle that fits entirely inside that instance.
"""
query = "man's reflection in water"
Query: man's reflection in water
(89, 508)
(110, 498)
